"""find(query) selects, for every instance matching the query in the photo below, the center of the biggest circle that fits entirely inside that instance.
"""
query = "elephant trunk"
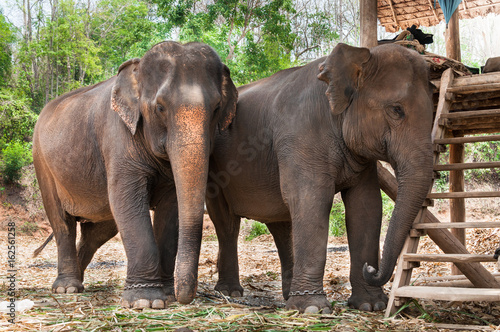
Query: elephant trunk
(414, 177)
(189, 155)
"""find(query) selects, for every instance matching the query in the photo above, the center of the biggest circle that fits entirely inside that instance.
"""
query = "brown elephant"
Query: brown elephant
(108, 153)
(297, 140)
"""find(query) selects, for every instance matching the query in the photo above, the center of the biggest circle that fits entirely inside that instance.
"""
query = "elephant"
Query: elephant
(497, 253)
(307, 133)
(107, 154)
(492, 65)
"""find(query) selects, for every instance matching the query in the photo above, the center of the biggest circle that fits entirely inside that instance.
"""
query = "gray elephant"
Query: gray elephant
(492, 65)
(297, 140)
(107, 154)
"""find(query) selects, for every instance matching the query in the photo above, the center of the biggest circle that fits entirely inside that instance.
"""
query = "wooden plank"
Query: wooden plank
(462, 166)
(465, 194)
(472, 114)
(467, 224)
(449, 293)
(489, 87)
(467, 139)
(457, 184)
(443, 105)
(472, 80)
(368, 23)
(443, 258)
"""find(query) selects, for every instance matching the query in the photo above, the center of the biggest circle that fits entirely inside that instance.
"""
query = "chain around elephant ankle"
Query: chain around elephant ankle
(306, 292)
(135, 286)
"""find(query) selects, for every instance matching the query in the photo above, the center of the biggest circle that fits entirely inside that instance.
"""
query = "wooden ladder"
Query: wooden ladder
(453, 115)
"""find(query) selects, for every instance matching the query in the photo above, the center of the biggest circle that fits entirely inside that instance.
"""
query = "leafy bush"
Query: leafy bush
(14, 156)
(16, 120)
(257, 230)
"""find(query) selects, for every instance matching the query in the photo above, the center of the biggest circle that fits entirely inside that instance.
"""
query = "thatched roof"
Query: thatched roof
(400, 14)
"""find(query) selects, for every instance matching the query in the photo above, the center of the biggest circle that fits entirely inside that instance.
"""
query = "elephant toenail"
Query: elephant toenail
(225, 292)
(158, 304)
(379, 306)
(366, 307)
(125, 304)
(236, 294)
(60, 290)
(312, 309)
(326, 311)
(141, 304)
(71, 290)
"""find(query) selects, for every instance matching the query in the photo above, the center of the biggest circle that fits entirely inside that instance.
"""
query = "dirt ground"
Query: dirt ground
(261, 308)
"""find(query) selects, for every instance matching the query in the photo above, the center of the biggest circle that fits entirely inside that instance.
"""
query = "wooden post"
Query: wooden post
(457, 205)
(453, 38)
(457, 184)
(368, 23)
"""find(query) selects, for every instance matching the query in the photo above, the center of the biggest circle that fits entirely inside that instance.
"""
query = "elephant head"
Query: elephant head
(384, 99)
(172, 100)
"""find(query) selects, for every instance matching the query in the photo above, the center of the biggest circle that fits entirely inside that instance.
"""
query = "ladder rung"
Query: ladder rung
(453, 258)
(449, 293)
(467, 139)
(472, 114)
(464, 194)
(461, 166)
(474, 88)
(450, 225)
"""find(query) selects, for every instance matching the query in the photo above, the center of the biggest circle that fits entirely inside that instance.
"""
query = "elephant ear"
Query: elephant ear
(125, 94)
(342, 70)
(229, 99)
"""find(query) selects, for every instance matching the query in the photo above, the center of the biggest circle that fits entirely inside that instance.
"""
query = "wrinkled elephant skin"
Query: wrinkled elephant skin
(306, 133)
(107, 154)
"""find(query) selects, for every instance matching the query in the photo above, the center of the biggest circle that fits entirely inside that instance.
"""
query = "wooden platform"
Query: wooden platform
(465, 106)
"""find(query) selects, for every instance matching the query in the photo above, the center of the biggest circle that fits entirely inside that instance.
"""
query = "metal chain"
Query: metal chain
(306, 292)
(135, 286)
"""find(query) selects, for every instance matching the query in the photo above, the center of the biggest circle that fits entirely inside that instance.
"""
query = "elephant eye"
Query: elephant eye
(159, 108)
(398, 111)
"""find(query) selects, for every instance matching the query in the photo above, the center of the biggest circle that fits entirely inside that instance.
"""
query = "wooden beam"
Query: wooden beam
(368, 23)
(449, 293)
(464, 194)
(488, 87)
(468, 224)
(462, 166)
(431, 5)
(468, 139)
(452, 38)
(475, 272)
(394, 13)
(443, 258)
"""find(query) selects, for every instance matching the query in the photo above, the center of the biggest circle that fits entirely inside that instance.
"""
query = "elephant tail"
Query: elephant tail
(39, 249)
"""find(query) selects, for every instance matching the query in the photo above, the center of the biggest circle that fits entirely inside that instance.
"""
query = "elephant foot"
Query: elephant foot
(233, 290)
(67, 285)
(374, 300)
(140, 298)
(169, 291)
(309, 304)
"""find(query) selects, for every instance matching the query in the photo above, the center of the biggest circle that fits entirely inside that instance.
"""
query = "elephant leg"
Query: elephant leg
(166, 229)
(363, 205)
(282, 234)
(93, 236)
(130, 205)
(227, 227)
(309, 201)
(64, 228)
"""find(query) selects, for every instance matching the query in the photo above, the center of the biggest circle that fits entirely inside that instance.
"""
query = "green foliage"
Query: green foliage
(28, 228)
(16, 120)
(337, 219)
(6, 40)
(257, 229)
(15, 156)
(482, 152)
